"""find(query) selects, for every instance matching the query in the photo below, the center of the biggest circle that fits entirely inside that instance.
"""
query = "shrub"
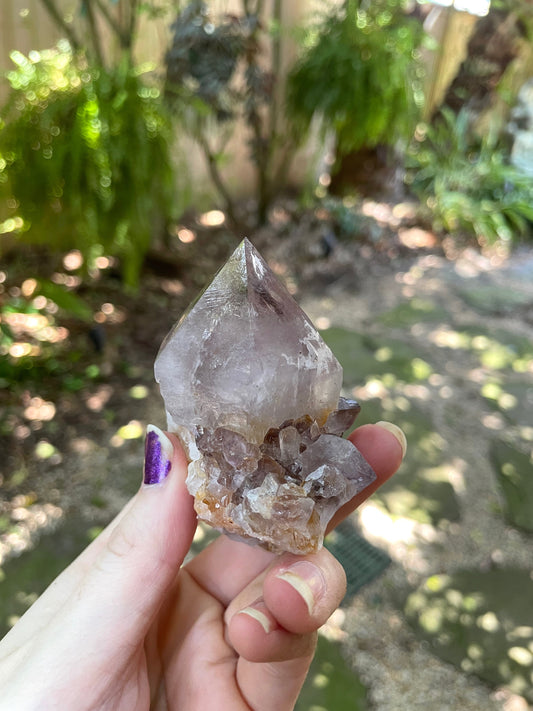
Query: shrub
(85, 157)
(467, 182)
(360, 72)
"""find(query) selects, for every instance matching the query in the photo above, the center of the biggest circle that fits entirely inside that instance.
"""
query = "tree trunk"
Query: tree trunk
(370, 172)
(491, 48)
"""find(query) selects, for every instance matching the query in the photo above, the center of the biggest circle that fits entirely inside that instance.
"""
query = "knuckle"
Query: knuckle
(121, 543)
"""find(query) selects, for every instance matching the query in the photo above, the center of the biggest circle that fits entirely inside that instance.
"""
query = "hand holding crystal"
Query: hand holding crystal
(125, 628)
(253, 393)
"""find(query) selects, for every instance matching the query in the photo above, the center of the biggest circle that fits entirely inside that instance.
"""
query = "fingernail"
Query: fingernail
(397, 432)
(307, 579)
(258, 615)
(158, 453)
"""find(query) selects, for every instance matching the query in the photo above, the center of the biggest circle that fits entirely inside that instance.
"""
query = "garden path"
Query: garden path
(443, 347)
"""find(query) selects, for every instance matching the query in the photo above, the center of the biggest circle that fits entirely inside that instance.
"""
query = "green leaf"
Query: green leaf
(7, 332)
(66, 300)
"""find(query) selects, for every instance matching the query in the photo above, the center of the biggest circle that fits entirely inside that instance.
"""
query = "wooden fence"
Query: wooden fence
(25, 25)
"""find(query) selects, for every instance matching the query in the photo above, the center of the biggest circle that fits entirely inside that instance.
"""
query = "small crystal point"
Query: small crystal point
(253, 392)
(343, 417)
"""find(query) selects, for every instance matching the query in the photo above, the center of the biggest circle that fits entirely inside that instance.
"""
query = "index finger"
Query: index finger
(384, 454)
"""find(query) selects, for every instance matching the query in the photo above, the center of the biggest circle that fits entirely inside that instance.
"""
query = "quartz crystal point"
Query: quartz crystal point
(253, 392)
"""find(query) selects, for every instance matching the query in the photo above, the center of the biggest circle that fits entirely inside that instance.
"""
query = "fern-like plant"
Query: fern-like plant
(85, 156)
(360, 72)
(468, 183)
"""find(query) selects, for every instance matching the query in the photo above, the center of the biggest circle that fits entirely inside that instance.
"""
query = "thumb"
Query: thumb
(108, 597)
(139, 555)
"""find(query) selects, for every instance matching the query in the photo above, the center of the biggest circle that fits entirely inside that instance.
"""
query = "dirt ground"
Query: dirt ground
(432, 336)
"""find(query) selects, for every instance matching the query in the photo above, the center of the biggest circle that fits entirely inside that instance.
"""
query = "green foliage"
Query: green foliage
(479, 621)
(513, 471)
(66, 300)
(331, 684)
(33, 346)
(85, 157)
(360, 71)
(467, 183)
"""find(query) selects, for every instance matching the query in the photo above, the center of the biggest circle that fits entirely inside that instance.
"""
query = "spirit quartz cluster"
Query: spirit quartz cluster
(253, 392)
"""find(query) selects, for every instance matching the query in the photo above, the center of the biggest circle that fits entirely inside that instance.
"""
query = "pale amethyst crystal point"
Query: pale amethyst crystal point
(253, 391)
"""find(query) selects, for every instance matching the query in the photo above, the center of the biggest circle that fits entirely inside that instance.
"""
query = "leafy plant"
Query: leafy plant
(360, 72)
(217, 74)
(467, 182)
(31, 340)
(85, 156)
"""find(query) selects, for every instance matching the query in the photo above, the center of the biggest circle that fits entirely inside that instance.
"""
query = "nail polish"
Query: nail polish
(157, 456)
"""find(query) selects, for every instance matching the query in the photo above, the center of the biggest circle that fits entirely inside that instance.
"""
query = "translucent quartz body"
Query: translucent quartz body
(253, 391)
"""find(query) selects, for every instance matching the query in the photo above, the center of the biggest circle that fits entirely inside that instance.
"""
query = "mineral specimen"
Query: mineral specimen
(253, 392)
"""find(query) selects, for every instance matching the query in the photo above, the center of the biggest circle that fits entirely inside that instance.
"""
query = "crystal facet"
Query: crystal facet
(253, 392)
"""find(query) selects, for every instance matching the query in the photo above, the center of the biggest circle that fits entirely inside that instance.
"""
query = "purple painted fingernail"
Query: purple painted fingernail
(157, 456)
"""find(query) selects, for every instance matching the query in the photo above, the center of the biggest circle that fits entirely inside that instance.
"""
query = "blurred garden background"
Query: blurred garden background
(379, 153)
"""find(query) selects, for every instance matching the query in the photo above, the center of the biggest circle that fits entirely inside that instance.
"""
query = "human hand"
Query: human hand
(234, 630)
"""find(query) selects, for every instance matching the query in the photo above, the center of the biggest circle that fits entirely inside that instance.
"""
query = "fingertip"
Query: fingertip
(383, 445)
(265, 619)
(254, 633)
(303, 591)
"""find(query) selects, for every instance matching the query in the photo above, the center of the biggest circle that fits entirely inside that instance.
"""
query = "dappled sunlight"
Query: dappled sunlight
(417, 238)
(323, 322)
(45, 450)
(33, 325)
(109, 313)
(382, 212)
(101, 263)
(333, 628)
(73, 260)
(280, 216)
(432, 336)
(40, 410)
(373, 388)
(185, 235)
(445, 337)
(138, 392)
(172, 287)
(82, 445)
(404, 538)
(132, 430)
(97, 400)
(212, 218)
(479, 620)
(526, 433)
(331, 683)
(382, 527)
(22, 520)
(494, 391)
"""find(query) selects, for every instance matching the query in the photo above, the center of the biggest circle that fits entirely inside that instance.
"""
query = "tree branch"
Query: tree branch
(216, 177)
(276, 71)
(133, 21)
(59, 20)
(112, 23)
(95, 37)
